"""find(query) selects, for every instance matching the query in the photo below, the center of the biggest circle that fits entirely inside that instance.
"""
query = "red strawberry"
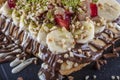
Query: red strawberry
(62, 22)
(12, 3)
(68, 13)
(93, 9)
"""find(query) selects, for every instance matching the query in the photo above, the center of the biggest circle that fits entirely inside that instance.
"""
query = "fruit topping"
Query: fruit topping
(12, 3)
(63, 20)
(93, 9)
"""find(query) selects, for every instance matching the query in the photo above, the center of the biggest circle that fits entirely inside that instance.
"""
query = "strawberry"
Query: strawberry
(68, 13)
(63, 22)
(12, 3)
(93, 9)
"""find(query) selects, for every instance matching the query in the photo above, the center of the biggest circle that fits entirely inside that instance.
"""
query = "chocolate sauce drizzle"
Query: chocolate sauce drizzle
(31, 46)
(7, 49)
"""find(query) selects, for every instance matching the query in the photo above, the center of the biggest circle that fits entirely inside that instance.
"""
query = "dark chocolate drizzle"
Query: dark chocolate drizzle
(104, 39)
(96, 46)
(32, 47)
(109, 32)
(7, 48)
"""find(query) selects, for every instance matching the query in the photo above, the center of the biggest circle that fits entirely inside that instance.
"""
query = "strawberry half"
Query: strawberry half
(68, 13)
(62, 22)
(11, 3)
(93, 9)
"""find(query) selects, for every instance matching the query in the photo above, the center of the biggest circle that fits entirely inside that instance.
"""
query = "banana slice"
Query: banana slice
(15, 17)
(109, 9)
(45, 29)
(85, 33)
(5, 10)
(23, 23)
(99, 29)
(41, 37)
(33, 29)
(60, 41)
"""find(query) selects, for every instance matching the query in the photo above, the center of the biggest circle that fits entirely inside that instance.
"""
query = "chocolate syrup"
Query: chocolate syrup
(52, 72)
(95, 55)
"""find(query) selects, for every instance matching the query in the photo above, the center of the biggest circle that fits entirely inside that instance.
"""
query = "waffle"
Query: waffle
(63, 50)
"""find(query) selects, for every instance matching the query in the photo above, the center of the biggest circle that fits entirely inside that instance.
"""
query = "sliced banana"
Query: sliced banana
(99, 29)
(33, 29)
(44, 30)
(109, 9)
(60, 41)
(5, 10)
(23, 23)
(41, 37)
(85, 33)
(15, 17)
